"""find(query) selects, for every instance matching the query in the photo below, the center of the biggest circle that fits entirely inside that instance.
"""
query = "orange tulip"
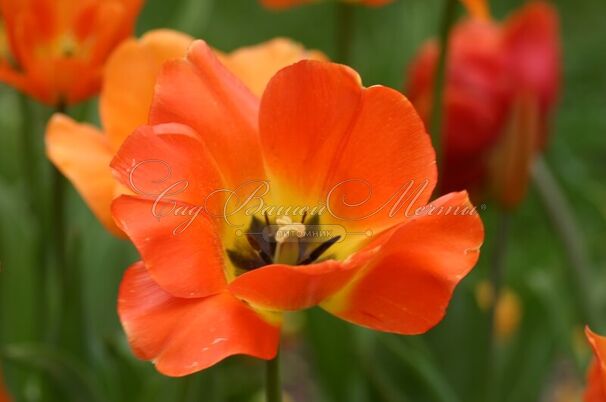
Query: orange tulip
(596, 377)
(214, 285)
(83, 153)
(280, 4)
(502, 82)
(55, 49)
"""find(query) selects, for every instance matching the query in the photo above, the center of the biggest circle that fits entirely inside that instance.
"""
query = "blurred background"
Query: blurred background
(541, 354)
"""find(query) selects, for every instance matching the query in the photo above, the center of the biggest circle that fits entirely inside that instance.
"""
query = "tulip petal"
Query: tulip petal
(255, 65)
(355, 149)
(596, 381)
(531, 39)
(596, 385)
(179, 244)
(130, 77)
(201, 93)
(183, 336)
(287, 288)
(4, 392)
(477, 8)
(167, 161)
(512, 157)
(20, 82)
(83, 155)
(407, 284)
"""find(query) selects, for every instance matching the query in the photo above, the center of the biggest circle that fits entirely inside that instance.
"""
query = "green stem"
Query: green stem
(344, 31)
(58, 233)
(28, 150)
(498, 261)
(498, 265)
(29, 160)
(565, 224)
(273, 388)
(437, 113)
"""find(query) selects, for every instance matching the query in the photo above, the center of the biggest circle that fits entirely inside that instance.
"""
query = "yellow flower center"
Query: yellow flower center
(282, 242)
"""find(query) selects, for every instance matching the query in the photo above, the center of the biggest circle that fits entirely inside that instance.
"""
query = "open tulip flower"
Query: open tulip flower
(83, 153)
(596, 378)
(244, 209)
(54, 50)
(291, 3)
(501, 84)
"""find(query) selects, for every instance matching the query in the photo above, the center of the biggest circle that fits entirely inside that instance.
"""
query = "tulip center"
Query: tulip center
(281, 242)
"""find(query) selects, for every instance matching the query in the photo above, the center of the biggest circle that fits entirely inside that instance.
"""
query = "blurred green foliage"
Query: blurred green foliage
(329, 360)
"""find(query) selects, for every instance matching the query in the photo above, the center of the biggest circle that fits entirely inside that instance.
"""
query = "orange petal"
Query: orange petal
(183, 336)
(287, 288)
(111, 22)
(596, 377)
(20, 82)
(405, 287)
(83, 155)
(130, 77)
(178, 243)
(4, 394)
(344, 144)
(255, 65)
(512, 157)
(167, 161)
(477, 8)
(201, 93)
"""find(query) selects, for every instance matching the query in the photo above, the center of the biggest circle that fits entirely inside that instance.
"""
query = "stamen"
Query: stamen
(315, 254)
(257, 247)
(246, 263)
(284, 242)
(287, 228)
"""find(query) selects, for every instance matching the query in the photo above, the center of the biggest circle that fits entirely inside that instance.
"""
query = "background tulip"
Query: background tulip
(56, 49)
(502, 82)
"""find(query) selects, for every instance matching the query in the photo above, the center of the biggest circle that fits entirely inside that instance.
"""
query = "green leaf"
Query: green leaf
(74, 379)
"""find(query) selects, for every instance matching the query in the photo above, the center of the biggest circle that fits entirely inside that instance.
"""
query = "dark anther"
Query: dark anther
(257, 247)
(262, 245)
(244, 262)
(318, 251)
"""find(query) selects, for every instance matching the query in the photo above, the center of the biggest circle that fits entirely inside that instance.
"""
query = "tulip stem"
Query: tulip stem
(498, 265)
(28, 150)
(344, 31)
(437, 112)
(564, 223)
(498, 261)
(29, 158)
(58, 236)
(273, 387)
